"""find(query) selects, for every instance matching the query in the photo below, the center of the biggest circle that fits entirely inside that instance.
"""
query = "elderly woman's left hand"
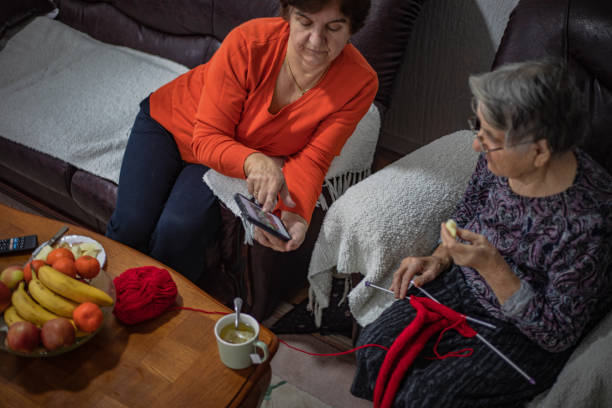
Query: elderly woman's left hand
(478, 253)
(297, 227)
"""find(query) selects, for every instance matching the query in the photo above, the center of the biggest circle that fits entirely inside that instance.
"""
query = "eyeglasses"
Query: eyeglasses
(474, 124)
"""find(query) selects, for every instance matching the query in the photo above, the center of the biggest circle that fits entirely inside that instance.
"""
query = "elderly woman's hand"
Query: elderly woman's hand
(418, 269)
(297, 227)
(265, 180)
(479, 254)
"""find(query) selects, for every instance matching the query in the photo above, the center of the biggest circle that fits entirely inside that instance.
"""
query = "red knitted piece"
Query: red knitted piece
(143, 293)
(431, 318)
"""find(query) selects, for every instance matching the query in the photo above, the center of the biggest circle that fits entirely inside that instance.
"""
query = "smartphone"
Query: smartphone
(264, 220)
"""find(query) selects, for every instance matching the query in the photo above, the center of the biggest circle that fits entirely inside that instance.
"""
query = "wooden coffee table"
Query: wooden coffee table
(170, 361)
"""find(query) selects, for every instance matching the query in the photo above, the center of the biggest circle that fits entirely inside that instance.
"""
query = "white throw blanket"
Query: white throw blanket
(392, 214)
(75, 98)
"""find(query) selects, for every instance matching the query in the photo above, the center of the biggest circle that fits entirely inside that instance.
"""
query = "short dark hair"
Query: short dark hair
(533, 100)
(356, 10)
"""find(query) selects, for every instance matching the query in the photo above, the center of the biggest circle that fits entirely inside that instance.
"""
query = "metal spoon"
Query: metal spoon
(237, 307)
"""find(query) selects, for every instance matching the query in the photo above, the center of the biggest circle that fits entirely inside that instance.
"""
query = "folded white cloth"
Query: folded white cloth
(394, 213)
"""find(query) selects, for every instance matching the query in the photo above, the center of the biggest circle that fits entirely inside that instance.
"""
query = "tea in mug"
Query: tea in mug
(234, 335)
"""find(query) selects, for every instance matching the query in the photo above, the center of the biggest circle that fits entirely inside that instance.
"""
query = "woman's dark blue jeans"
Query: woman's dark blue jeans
(164, 208)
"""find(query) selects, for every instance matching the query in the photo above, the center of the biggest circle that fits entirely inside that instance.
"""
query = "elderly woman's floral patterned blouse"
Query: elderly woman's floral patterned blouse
(559, 246)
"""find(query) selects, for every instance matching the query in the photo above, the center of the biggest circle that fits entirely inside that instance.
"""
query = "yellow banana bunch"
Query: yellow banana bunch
(28, 309)
(11, 316)
(49, 299)
(71, 288)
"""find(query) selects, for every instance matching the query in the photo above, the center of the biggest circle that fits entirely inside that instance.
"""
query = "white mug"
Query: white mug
(240, 355)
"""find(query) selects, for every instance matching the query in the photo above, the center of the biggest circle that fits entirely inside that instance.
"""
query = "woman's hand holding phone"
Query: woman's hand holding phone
(297, 227)
(265, 180)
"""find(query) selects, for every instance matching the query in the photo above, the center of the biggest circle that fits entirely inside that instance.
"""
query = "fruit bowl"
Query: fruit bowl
(102, 281)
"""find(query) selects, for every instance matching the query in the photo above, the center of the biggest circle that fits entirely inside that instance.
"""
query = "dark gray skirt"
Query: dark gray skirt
(481, 380)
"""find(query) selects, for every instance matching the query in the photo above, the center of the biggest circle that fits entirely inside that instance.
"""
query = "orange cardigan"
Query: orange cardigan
(218, 111)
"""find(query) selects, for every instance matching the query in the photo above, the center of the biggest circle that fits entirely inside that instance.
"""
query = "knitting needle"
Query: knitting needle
(472, 319)
(478, 336)
(506, 359)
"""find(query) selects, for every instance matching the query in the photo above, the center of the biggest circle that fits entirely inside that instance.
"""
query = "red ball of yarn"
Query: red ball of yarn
(143, 293)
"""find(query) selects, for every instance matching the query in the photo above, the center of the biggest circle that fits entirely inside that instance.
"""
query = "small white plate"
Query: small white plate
(77, 239)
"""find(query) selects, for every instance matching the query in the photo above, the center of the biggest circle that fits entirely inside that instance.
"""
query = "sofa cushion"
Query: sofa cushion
(15, 13)
(190, 31)
(180, 32)
(36, 195)
(586, 379)
(95, 195)
(38, 167)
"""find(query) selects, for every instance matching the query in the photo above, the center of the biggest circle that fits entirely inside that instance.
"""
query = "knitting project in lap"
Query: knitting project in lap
(431, 318)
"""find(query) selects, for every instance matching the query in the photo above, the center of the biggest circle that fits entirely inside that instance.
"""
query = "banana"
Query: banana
(80, 333)
(11, 316)
(28, 309)
(49, 299)
(71, 288)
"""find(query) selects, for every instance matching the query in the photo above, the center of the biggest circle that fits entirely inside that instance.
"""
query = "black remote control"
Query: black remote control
(18, 244)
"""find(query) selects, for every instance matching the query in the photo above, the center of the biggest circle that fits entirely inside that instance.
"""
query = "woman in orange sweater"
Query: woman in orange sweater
(274, 105)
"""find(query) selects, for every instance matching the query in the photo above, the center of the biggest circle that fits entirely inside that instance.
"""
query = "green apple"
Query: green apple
(11, 276)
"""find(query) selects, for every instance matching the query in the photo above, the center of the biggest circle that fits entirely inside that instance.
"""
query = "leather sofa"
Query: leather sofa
(184, 31)
(580, 32)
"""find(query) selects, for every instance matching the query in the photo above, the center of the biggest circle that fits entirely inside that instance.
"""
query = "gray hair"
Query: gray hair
(532, 100)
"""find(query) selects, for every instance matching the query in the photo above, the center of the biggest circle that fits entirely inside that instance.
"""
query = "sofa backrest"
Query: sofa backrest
(190, 31)
(579, 31)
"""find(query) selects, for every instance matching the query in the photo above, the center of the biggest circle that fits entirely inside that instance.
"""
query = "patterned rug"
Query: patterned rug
(336, 318)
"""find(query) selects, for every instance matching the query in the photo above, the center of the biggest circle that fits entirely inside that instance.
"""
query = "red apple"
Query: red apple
(57, 333)
(11, 277)
(5, 296)
(23, 336)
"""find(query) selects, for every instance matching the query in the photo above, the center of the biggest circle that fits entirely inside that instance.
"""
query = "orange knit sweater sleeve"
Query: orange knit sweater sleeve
(220, 109)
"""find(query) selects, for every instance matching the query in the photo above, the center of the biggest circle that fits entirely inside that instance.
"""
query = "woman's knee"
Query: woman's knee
(177, 230)
(132, 229)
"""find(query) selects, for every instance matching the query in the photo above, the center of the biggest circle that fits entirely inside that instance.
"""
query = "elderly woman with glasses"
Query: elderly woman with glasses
(532, 254)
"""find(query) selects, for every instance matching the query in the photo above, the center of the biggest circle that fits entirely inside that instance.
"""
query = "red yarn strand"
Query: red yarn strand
(333, 354)
(456, 353)
(193, 309)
